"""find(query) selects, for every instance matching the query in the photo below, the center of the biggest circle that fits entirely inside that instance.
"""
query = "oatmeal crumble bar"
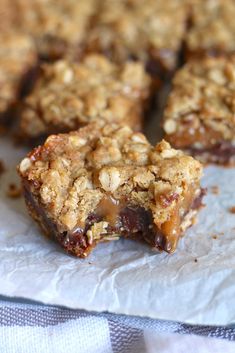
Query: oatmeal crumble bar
(18, 58)
(212, 29)
(69, 95)
(200, 111)
(150, 30)
(58, 26)
(106, 181)
(61, 26)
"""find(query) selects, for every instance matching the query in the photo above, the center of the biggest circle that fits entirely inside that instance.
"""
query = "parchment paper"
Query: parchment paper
(194, 285)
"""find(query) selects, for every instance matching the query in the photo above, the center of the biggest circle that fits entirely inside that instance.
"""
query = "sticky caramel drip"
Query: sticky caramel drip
(110, 209)
(172, 228)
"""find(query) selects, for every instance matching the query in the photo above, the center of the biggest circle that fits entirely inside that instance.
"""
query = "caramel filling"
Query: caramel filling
(130, 221)
(125, 220)
(110, 209)
(172, 228)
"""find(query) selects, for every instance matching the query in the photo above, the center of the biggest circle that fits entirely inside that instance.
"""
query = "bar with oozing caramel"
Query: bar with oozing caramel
(106, 181)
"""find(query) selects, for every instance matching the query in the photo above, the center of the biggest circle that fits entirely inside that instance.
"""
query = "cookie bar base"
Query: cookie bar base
(133, 222)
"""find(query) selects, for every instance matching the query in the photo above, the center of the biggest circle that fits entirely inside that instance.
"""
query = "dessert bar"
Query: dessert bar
(106, 181)
(18, 61)
(70, 95)
(212, 28)
(200, 111)
(150, 30)
(58, 27)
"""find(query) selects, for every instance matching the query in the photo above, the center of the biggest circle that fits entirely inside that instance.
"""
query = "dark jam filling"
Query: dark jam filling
(221, 152)
(132, 222)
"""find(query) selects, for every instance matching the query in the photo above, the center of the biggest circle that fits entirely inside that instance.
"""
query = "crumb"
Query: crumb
(195, 260)
(2, 167)
(215, 190)
(14, 191)
(232, 210)
(214, 236)
(2, 130)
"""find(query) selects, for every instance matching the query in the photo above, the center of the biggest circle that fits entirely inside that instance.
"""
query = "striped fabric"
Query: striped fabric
(29, 328)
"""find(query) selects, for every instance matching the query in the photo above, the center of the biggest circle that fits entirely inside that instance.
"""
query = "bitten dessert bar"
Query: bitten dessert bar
(70, 95)
(150, 30)
(103, 182)
(199, 115)
(212, 29)
(18, 60)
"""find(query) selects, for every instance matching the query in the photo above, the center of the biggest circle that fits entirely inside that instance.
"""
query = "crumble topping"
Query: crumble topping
(69, 95)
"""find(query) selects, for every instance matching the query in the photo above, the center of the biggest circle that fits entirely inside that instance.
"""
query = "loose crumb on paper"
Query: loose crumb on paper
(2, 167)
(14, 191)
(232, 210)
(214, 189)
(2, 130)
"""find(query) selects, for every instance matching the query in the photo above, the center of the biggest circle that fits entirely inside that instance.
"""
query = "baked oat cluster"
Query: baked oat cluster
(212, 28)
(103, 170)
(17, 57)
(201, 107)
(149, 30)
(69, 95)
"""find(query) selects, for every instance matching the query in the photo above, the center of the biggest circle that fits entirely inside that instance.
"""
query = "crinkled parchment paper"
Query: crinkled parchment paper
(194, 285)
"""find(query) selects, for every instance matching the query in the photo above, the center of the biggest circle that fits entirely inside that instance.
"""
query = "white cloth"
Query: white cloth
(28, 328)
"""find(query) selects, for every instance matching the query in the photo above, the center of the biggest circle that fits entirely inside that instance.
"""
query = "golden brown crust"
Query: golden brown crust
(72, 173)
(70, 95)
